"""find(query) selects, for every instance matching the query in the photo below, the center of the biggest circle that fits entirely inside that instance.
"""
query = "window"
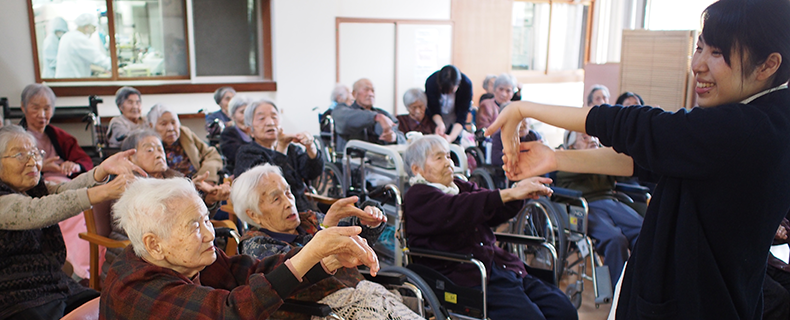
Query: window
(127, 40)
(549, 36)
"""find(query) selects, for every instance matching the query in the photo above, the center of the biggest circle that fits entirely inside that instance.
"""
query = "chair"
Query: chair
(87, 311)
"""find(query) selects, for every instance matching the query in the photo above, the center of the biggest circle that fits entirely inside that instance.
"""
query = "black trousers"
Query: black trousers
(55, 309)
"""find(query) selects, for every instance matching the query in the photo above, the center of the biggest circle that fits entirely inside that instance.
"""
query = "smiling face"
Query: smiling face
(717, 82)
(168, 127)
(130, 108)
(265, 124)
(150, 156)
(16, 174)
(277, 205)
(438, 167)
(38, 112)
(417, 110)
(190, 246)
(503, 94)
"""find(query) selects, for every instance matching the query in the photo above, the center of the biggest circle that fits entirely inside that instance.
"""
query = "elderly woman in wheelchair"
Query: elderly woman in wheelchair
(172, 269)
(612, 223)
(451, 215)
(262, 198)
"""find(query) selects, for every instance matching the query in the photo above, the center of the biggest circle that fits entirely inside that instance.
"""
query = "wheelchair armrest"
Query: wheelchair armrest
(519, 239)
(566, 193)
(632, 188)
(440, 254)
(306, 307)
(385, 278)
(321, 199)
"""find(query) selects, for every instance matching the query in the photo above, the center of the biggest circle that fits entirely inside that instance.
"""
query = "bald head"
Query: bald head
(364, 93)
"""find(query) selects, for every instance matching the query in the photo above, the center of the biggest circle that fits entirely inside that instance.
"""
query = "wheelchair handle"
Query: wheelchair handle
(566, 193)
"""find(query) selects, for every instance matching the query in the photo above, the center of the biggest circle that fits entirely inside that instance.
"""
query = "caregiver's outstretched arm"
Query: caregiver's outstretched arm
(571, 118)
(535, 158)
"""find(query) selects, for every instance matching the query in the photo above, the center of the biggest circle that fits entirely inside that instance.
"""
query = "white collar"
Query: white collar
(452, 189)
(760, 94)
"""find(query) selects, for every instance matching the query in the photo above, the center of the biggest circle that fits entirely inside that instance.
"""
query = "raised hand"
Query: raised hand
(213, 192)
(343, 243)
(68, 167)
(534, 158)
(343, 208)
(118, 164)
(110, 191)
(283, 140)
(51, 165)
(508, 121)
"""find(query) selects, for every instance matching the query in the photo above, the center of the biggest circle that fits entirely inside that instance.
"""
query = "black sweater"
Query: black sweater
(723, 185)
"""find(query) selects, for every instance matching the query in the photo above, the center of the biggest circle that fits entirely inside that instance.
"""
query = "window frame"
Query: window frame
(190, 83)
(546, 75)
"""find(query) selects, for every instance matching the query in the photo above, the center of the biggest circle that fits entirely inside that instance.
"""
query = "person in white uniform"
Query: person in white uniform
(77, 52)
(57, 27)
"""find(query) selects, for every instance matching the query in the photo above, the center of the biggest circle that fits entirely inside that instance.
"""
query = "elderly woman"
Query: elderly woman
(222, 97)
(63, 160)
(32, 285)
(234, 136)
(599, 94)
(489, 109)
(173, 270)
(452, 215)
(415, 100)
(186, 153)
(129, 101)
(295, 154)
(262, 198)
(150, 156)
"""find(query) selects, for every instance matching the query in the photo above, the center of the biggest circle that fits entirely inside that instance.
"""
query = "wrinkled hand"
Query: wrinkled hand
(532, 188)
(110, 191)
(68, 168)
(374, 217)
(781, 233)
(303, 138)
(50, 165)
(508, 121)
(283, 140)
(441, 129)
(534, 158)
(213, 192)
(118, 164)
(344, 244)
(343, 208)
(388, 136)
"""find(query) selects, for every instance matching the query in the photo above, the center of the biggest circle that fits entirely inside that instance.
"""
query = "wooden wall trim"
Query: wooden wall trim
(72, 91)
(266, 15)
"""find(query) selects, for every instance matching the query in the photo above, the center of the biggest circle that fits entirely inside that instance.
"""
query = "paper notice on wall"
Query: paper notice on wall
(782, 252)
(426, 45)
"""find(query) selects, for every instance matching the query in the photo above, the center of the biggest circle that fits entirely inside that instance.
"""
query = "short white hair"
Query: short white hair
(237, 102)
(340, 94)
(418, 152)
(157, 111)
(244, 192)
(249, 113)
(147, 207)
(413, 95)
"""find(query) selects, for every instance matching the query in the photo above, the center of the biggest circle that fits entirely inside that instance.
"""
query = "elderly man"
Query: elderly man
(451, 215)
(361, 121)
(77, 53)
(173, 270)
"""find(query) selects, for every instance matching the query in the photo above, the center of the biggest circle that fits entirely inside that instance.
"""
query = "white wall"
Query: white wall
(303, 33)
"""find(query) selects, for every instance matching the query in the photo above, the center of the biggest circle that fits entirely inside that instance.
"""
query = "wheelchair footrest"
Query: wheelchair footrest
(603, 293)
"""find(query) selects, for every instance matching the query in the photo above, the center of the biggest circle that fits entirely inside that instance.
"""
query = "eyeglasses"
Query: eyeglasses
(24, 157)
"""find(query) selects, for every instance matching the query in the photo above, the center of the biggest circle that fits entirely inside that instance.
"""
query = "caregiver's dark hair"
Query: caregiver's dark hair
(755, 28)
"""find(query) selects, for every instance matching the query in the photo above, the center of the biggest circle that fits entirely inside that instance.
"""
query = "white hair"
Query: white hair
(11, 133)
(147, 207)
(244, 192)
(157, 111)
(504, 80)
(249, 113)
(413, 95)
(237, 102)
(340, 94)
(419, 151)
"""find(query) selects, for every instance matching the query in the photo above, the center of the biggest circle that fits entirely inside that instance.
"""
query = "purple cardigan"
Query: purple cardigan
(460, 224)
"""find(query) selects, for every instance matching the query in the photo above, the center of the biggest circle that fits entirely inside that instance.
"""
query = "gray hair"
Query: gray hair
(488, 80)
(413, 95)
(157, 111)
(221, 93)
(136, 136)
(340, 93)
(123, 93)
(419, 151)
(237, 102)
(10, 133)
(147, 207)
(504, 80)
(249, 113)
(596, 88)
(35, 89)
(244, 193)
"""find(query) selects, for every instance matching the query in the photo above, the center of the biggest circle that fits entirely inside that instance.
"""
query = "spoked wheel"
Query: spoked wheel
(482, 178)
(539, 218)
(330, 182)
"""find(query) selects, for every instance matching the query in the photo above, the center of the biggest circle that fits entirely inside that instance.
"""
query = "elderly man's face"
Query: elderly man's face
(38, 112)
(265, 123)
(168, 128)
(277, 205)
(150, 156)
(417, 110)
(364, 94)
(21, 175)
(190, 247)
(503, 94)
(438, 167)
(585, 141)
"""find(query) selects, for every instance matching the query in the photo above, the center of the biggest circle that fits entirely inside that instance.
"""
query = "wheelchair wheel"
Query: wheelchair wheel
(540, 218)
(474, 154)
(330, 182)
(427, 292)
(483, 178)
